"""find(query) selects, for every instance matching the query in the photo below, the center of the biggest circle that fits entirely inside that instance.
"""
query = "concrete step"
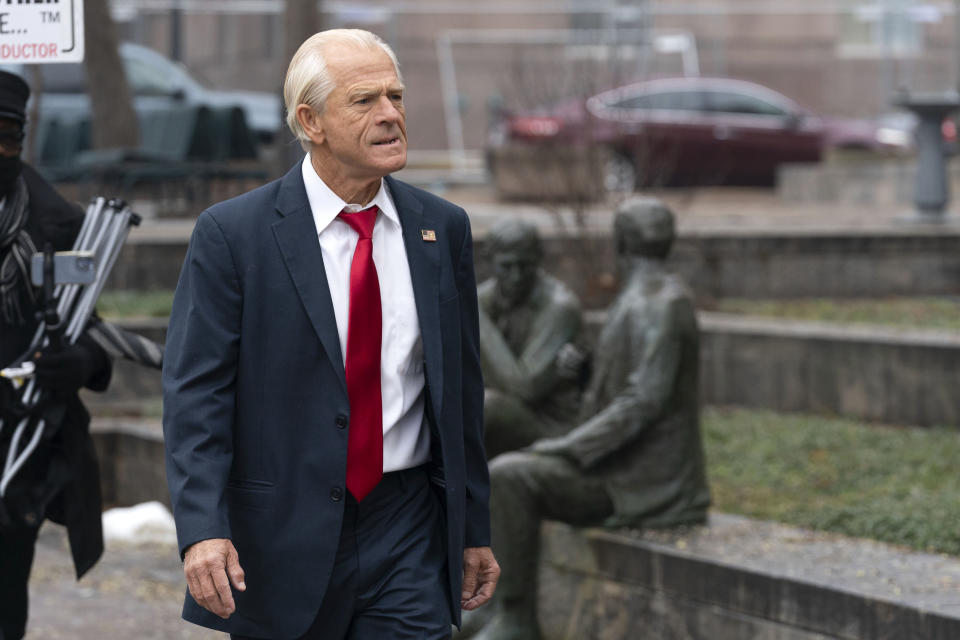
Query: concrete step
(737, 579)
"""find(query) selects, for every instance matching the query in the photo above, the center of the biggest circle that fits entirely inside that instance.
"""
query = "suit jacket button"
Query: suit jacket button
(336, 494)
(341, 421)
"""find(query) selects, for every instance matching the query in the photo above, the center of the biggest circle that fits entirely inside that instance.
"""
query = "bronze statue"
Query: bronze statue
(529, 326)
(635, 458)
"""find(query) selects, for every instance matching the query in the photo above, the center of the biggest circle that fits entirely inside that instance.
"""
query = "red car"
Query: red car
(667, 131)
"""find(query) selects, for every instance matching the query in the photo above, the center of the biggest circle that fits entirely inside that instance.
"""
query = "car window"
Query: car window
(741, 103)
(669, 100)
(146, 79)
(63, 78)
(56, 78)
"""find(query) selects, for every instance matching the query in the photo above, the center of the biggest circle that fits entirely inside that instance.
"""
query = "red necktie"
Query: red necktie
(364, 331)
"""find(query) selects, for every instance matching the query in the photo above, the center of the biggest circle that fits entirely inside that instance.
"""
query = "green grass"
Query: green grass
(893, 484)
(927, 313)
(135, 304)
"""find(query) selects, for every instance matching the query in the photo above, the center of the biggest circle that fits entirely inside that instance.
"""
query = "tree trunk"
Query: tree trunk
(113, 120)
(302, 19)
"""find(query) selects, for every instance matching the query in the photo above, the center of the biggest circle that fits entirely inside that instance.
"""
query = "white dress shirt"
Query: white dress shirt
(406, 439)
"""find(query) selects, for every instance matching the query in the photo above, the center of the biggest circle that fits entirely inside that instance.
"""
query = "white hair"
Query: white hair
(308, 80)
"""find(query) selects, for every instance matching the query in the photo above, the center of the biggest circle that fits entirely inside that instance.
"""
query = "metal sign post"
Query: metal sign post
(40, 32)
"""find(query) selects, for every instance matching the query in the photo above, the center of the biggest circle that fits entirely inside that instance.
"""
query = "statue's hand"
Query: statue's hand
(552, 447)
(571, 362)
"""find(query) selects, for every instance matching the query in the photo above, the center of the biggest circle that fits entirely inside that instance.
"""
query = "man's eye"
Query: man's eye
(397, 97)
(362, 101)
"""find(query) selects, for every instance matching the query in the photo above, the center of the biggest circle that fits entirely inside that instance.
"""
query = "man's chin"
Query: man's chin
(396, 163)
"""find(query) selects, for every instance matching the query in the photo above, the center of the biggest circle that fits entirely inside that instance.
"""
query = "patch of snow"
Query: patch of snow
(146, 523)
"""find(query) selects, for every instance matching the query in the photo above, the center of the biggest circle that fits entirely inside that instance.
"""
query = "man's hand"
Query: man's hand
(480, 575)
(207, 565)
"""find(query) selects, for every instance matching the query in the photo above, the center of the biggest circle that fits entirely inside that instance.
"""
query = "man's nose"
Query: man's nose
(387, 111)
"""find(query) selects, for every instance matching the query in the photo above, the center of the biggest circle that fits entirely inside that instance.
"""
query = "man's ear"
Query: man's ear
(309, 119)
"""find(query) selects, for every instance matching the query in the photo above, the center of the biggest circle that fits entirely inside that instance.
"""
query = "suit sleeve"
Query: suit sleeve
(199, 385)
(643, 399)
(477, 477)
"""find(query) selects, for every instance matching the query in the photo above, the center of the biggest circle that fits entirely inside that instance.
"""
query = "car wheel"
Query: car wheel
(618, 174)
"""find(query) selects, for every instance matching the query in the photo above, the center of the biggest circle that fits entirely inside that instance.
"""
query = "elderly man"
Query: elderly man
(529, 324)
(635, 459)
(322, 388)
(60, 480)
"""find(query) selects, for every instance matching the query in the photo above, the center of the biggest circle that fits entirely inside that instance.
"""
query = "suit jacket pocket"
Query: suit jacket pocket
(250, 495)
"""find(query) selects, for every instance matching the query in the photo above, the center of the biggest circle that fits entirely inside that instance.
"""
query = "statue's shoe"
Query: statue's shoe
(509, 626)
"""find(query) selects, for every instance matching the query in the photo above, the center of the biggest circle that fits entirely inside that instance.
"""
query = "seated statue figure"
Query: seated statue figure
(529, 324)
(635, 457)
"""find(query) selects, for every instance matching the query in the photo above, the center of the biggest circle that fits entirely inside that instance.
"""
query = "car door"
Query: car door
(758, 134)
(662, 131)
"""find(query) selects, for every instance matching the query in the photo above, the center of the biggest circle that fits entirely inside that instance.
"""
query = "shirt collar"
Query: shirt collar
(326, 205)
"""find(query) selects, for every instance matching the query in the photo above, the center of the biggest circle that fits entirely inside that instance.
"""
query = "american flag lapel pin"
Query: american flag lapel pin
(428, 235)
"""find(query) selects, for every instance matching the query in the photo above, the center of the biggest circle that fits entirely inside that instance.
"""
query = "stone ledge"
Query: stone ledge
(741, 579)
(865, 372)
(885, 374)
(876, 184)
(131, 460)
(733, 261)
(873, 373)
(830, 331)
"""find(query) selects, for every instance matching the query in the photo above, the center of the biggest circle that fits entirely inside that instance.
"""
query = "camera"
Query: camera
(69, 267)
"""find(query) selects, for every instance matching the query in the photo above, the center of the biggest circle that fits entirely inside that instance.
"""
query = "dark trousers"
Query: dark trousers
(389, 580)
(16, 557)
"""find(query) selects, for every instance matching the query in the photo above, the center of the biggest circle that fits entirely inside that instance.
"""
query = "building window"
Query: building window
(882, 28)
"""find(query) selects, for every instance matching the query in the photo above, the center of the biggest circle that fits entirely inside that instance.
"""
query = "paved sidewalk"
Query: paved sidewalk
(134, 592)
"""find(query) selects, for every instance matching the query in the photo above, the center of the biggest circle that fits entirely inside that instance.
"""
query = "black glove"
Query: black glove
(69, 368)
(10, 406)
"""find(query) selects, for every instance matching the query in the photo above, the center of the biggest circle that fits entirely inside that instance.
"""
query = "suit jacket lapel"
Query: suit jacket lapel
(424, 261)
(296, 234)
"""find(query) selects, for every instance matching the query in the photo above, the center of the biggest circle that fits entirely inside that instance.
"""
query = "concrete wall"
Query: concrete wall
(885, 375)
(130, 452)
(148, 264)
(742, 264)
(883, 184)
(874, 374)
(820, 264)
(739, 579)
(745, 264)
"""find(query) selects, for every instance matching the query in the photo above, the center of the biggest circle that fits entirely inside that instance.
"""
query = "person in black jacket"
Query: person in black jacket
(60, 480)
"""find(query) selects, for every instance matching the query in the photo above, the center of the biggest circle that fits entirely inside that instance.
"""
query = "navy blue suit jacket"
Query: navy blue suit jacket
(255, 397)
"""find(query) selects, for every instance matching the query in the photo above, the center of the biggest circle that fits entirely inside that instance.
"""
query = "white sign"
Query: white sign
(41, 31)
